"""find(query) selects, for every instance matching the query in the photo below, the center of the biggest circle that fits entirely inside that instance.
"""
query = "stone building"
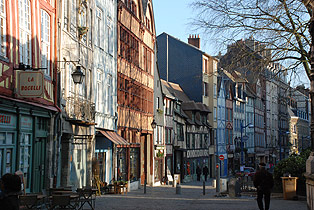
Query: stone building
(75, 54)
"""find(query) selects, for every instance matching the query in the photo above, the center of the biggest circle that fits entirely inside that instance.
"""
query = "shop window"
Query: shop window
(25, 157)
(121, 163)
(7, 146)
(134, 164)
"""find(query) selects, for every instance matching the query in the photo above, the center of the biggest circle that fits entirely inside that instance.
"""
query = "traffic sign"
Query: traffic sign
(221, 157)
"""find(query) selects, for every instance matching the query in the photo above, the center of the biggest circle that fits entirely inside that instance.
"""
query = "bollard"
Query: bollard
(203, 188)
(178, 189)
(145, 186)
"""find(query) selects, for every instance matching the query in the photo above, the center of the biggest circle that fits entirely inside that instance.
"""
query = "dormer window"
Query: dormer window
(193, 117)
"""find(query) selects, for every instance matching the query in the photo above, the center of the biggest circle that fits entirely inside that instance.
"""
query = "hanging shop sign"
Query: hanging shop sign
(30, 84)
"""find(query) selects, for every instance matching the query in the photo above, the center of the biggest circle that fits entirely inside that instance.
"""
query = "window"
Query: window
(109, 93)
(168, 135)
(205, 89)
(147, 60)
(25, 41)
(110, 37)
(99, 27)
(73, 18)
(193, 141)
(129, 47)
(83, 20)
(3, 26)
(45, 42)
(215, 113)
(180, 136)
(82, 87)
(99, 90)
(205, 66)
(193, 117)
(215, 90)
(188, 143)
(66, 14)
(90, 37)
(70, 80)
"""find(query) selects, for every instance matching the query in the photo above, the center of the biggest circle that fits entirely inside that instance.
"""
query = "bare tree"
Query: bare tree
(280, 25)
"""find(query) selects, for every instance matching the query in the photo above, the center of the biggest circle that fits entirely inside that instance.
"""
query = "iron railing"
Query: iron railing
(78, 108)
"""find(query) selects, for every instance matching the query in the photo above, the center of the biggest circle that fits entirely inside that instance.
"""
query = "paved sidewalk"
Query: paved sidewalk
(165, 197)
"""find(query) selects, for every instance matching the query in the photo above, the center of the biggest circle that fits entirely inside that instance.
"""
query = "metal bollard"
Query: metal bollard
(145, 186)
(178, 189)
(203, 188)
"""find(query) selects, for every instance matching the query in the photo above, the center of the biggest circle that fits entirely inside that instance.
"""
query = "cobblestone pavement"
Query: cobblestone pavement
(165, 197)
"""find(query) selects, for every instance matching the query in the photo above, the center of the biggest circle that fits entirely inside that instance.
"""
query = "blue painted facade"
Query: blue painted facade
(221, 126)
(184, 65)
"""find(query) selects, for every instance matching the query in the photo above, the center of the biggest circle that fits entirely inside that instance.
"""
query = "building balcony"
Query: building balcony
(80, 111)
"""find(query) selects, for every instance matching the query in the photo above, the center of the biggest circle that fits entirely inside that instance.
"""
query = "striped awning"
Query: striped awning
(114, 137)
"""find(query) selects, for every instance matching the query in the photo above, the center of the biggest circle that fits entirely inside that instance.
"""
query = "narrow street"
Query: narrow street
(165, 197)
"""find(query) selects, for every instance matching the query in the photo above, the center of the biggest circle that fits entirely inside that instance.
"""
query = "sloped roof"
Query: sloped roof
(165, 89)
(178, 92)
(203, 107)
(190, 106)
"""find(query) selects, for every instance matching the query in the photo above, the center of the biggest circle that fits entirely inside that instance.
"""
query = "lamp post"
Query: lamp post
(250, 125)
(281, 132)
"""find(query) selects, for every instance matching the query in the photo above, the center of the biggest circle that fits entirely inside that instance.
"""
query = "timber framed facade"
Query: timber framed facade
(135, 95)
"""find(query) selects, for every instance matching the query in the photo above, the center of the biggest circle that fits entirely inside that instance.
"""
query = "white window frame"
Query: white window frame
(3, 26)
(45, 42)
(99, 15)
(110, 36)
(25, 40)
(98, 90)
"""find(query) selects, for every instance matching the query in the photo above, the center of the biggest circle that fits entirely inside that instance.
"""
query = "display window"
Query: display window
(134, 164)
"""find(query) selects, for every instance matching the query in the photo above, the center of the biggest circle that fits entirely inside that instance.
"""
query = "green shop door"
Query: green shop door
(39, 164)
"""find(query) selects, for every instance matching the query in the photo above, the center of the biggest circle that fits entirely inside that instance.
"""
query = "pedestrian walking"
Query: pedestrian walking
(264, 182)
(198, 173)
(205, 172)
(10, 188)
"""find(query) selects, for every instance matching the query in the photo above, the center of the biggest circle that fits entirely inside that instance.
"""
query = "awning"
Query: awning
(114, 137)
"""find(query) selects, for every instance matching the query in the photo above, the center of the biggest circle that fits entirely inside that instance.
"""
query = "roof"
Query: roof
(203, 107)
(178, 92)
(165, 89)
(190, 106)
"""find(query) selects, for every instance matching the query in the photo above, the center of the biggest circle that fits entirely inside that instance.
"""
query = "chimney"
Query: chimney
(195, 40)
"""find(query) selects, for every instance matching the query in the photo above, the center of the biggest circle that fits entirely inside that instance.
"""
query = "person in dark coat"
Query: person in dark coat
(10, 188)
(205, 172)
(264, 182)
(198, 173)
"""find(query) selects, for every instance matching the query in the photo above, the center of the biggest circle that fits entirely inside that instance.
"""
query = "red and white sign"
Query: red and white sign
(221, 157)
(30, 84)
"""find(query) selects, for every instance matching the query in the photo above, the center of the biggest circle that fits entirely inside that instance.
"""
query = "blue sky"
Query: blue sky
(174, 16)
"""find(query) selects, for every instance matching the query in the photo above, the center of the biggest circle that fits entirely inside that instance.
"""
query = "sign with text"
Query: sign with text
(30, 84)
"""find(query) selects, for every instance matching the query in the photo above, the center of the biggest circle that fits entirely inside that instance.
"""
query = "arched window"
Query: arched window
(3, 20)
(45, 42)
(25, 41)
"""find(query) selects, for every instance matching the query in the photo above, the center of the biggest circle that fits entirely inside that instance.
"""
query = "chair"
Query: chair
(62, 202)
(29, 202)
(86, 196)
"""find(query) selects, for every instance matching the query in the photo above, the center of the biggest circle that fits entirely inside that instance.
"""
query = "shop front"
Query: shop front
(25, 131)
(194, 158)
(111, 153)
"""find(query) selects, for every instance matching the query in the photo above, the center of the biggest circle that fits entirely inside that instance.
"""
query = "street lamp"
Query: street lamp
(78, 75)
(250, 125)
(281, 132)
(153, 124)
